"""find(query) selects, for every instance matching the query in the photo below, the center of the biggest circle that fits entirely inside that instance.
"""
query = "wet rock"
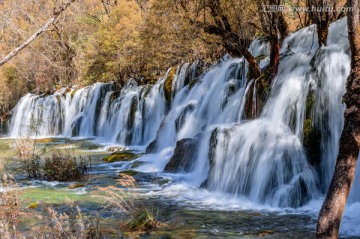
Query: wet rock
(168, 84)
(75, 126)
(75, 185)
(137, 164)
(180, 121)
(211, 154)
(129, 172)
(183, 156)
(151, 148)
(115, 148)
(89, 145)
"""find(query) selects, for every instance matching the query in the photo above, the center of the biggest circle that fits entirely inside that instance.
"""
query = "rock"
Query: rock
(137, 164)
(75, 126)
(151, 148)
(129, 172)
(89, 145)
(115, 148)
(120, 156)
(76, 185)
(168, 84)
(183, 156)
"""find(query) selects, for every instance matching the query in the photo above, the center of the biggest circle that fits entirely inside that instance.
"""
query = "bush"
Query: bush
(65, 168)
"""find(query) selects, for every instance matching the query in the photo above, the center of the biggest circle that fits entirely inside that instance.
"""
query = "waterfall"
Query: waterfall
(266, 159)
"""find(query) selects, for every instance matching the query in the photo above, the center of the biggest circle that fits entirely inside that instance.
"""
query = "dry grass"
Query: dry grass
(10, 205)
(126, 201)
(71, 224)
(24, 147)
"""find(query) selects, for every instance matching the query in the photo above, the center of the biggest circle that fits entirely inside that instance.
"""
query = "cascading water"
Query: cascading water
(265, 159)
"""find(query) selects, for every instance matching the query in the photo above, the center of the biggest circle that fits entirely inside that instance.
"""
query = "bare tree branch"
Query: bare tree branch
(37, 33)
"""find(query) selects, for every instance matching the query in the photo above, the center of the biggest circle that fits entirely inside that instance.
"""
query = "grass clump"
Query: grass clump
(125, 200)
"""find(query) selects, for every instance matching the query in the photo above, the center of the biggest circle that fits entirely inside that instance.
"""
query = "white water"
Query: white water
(262, 160)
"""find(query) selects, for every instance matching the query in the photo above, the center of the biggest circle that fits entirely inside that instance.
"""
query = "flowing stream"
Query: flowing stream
(262, 160)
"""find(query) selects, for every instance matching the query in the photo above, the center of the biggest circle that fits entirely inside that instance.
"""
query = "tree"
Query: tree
(322, 13)
(332, 209)
(37, 33)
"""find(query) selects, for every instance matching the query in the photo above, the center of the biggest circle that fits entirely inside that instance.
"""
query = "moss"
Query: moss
(168, 83)
(311, 142)
(263, 86)
(163, 181)
(89, 145)
(120, 156)
(72, 93)
(33, 205)
(309, 105)
(137, 164)
(67, 90)
(45, 140)
(130, 172)
(76, 185)
(58, 98)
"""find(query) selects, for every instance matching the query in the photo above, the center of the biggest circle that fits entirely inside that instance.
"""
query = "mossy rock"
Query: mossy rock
(89, 145)
(137, 164)
(33, 205)
(76, 185)
(45, 140)
(72, 93)
(312, 142)
(163, 181)
(129, 172)
(120, 156)
(168, 83)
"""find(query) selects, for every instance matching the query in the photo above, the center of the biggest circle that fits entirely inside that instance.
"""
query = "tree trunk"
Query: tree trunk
(331, 212)
(36, 34)
(322, 13)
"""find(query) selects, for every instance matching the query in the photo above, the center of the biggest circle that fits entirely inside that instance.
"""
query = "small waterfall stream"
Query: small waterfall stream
(264, 159)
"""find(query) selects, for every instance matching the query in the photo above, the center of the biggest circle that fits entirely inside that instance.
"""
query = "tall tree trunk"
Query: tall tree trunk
(322, 13)
(331, 212)
(37, 33)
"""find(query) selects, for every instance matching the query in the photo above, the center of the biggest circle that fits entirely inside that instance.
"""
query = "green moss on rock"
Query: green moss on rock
(137, 164)
(76, 185)
(72, 93)
(130, 172)
(120, 156)
(311, 135)
(168, 83)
